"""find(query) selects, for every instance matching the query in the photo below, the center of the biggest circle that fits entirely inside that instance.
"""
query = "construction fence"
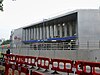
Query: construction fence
(31, 65)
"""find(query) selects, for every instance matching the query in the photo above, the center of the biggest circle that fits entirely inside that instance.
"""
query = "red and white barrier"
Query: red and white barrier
(10, 69)
(30, 60)
(43, 62)
(37, 73)
(6, 58)
(12, 57)
(89, 68)
(9, 58)
(62, 65)
(20, 59)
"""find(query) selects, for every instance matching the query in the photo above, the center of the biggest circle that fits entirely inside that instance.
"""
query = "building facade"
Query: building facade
(81, 26)
(77, 32)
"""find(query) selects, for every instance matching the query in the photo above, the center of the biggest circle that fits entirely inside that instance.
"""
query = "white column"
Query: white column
(44, 28)
(40, 32)
(76, 29)
(34, 33)
(26, 34)
(55, 31)
(51, 31)
(70, 29)
(23, 35)
(29, 33)
(65, 30)
(48, 31)
(60, 30)
(45, 33)
(37, 33)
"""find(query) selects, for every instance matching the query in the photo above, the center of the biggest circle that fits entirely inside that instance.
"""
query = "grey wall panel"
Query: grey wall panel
(88, 26)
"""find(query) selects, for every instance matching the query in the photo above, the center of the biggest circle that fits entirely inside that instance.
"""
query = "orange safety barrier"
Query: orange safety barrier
(36, 73)
(87, 68)
(14, 67)
(43, 62)
(62, 65)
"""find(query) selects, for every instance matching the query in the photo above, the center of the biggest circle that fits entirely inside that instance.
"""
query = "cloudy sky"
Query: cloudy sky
(21, 13)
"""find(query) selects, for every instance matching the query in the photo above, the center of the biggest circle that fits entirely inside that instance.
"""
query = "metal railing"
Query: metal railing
(61, 46)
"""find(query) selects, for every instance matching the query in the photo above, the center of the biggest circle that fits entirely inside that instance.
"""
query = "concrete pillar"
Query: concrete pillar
(65, 30)
(41, 33)
(70, 29)
(29, 33)
(34, 33)
(75, 31)
(51, 31)
(37, 33)
(55, 31)
(23, 35)
(26, 34)
(60, 30)
(44, 32)
(48, 31)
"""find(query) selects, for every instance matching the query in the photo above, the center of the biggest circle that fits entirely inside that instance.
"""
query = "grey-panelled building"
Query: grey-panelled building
(80, 27)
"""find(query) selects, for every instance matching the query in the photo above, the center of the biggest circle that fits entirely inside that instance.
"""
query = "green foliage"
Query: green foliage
(6, 42)
(1, 5)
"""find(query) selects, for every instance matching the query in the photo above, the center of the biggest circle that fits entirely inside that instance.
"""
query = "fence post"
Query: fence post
(87, 44)
(6, 69)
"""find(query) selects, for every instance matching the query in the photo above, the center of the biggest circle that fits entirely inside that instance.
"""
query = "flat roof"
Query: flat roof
(56, 17)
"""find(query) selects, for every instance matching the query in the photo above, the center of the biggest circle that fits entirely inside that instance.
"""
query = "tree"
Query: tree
(1, 5)
(6, 42)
